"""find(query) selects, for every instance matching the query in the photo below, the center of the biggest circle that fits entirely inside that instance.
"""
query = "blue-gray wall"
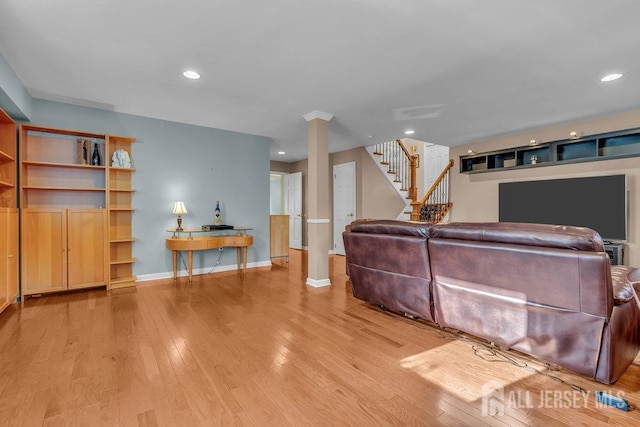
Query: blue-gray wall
(14, 98)
(175, 161)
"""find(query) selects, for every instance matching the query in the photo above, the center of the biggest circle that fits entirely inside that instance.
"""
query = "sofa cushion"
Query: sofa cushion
(542, 235)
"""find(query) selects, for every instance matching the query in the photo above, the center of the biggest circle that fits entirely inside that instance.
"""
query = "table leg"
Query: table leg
(245, 249)
(190, 256)
(175, 263)
(238, 256)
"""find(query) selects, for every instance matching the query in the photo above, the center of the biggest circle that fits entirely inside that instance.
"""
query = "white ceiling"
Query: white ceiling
(453, 70)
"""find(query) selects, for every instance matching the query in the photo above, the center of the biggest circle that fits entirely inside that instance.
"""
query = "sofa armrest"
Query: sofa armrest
(634, 276)
(621, 276)
(634, 279)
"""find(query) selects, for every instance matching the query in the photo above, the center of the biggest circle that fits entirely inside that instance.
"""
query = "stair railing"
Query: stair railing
(436, 203)
(401, 164)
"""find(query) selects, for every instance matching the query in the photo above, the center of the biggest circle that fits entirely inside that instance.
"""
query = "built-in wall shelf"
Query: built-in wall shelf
(606, 146)
(4, 157)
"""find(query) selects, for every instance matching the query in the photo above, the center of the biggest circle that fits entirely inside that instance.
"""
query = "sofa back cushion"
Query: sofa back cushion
(391, 226)
(388, 264)
(542, 235)
(542, 290)
(559, 266)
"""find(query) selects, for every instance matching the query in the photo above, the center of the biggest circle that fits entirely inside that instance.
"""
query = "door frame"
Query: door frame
(292, 218)
(338, 228)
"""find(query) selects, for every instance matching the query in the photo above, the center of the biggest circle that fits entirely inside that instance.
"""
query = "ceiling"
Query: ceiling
(452, 70)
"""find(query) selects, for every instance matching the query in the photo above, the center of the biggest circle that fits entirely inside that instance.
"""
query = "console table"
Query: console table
(240, 240)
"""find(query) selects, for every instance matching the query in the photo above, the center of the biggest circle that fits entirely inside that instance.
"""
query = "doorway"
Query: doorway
(293, 208)
(344, 201)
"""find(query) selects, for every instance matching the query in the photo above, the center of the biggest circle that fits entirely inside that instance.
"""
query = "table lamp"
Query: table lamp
(179, 209)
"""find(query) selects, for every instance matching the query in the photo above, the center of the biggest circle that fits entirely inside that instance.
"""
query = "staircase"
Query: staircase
(400, 166)
(436, 203)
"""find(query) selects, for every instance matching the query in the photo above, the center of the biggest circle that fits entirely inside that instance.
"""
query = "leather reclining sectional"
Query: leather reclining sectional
(544, 290)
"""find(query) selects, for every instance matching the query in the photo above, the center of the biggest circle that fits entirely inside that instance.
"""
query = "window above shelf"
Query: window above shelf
(606, 146)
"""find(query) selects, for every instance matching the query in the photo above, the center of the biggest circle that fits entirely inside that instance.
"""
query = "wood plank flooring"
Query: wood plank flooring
(265, 349)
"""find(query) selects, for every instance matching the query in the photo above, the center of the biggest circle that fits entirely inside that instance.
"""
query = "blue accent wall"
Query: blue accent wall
(176, 161)
(14, 98)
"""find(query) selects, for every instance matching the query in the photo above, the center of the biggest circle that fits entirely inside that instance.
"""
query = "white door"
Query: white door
(344, 202)
(293, 208)
(436, 158)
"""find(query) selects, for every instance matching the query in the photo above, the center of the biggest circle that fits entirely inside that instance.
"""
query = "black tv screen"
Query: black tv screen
(598, 202)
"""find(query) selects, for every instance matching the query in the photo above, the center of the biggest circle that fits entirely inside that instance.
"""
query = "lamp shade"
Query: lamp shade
(179, 209)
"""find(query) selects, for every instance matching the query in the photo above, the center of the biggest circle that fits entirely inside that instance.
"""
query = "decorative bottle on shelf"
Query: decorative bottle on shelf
(218, 217)
(85, 158)
(95, 158)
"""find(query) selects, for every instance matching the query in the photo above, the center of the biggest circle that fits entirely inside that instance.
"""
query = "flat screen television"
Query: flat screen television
(598, 202)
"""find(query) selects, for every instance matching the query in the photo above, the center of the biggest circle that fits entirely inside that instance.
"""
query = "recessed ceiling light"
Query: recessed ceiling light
(409, 132)
(190, 74)
(611, 77)
(281, 152)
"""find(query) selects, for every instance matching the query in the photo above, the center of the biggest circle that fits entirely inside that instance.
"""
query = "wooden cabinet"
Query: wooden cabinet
(62, 249)
(8, 256)
(8, 212)
(279, 236)
(76, 216)
(120, 197)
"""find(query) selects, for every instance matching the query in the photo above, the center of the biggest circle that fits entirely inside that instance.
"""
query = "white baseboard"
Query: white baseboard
(318, 283)
(199, 271)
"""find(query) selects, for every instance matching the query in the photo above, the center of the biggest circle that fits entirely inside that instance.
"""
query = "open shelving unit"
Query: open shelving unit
(75, 203)
(120, 197)
(606, 146)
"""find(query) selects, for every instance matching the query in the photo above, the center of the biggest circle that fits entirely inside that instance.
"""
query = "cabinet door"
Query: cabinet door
(44, 257)
(4, 257)
(279, 235)
(86, 230)
(12, 257)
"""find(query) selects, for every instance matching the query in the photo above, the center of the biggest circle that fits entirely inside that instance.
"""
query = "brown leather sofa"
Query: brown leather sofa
(548, 291)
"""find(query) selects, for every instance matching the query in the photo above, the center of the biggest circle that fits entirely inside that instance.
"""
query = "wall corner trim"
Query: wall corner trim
(315, 114)
(318, 220)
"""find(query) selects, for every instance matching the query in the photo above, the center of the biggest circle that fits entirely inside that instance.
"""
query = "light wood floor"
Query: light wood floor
(264, 349)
